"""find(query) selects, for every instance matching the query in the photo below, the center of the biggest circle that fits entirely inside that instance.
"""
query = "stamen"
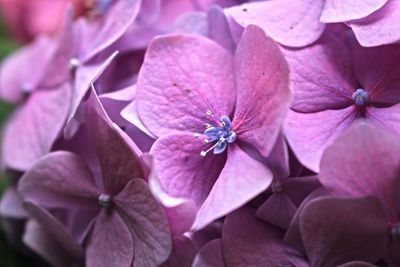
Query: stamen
(196, 135)
(206, 141)
(276, 187)
(104, 200)
(360, 97)
(73, 64)
(220, 141)
(395, 232)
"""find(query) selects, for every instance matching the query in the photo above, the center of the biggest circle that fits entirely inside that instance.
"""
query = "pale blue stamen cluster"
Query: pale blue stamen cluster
(360, 97)
(221, 133)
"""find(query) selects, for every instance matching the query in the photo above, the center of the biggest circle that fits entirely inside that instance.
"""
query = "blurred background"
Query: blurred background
(8, 256)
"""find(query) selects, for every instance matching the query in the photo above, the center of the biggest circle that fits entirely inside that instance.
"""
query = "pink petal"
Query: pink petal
(379, 73)
(263, 90)
(378, 155)
(277, 210)
(240, 171)
(336, 231)
(342, 10)
(34, 127)
(180, 212)
(16, 75)
(309, 134)
(118, 155)
(84, 77)
(380, 27)
(149, 10)
(111, 243)
(210, 255)
(289, 22)
(258, 245)
(183, 77)
(385, 118)
(183, 173)
(321, 75)
(192, 23)
(146, 222)
(117, 21)
(298, 188)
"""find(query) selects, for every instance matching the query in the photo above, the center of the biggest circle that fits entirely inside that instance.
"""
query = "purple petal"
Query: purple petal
(183, 253)
(118, 155)
(84, 77)
(46, 246)
(378, 155)
(218, 28)
(259, 245)
(183, 77)
(336, 231)
(146, 222)
(321, 75)
(290, 22)
(240, 171)
(110, 244)
(263, 90)
(11, 204)
(277, 210)
(379, 73)
(117, 21)
(210, 255)
(34, 127)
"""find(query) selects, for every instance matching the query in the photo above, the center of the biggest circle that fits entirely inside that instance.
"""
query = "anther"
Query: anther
(73, 64)
(360, 97)
(206, 141)
(395, 232)
(209, 112)
(196, 135)
(276, 187)
(104, 200)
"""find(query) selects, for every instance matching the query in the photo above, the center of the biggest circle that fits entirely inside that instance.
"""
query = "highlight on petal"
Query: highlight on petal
(342, 10)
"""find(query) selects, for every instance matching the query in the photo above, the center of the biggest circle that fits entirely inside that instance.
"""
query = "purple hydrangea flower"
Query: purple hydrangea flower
(335, 85)
(109, 209)
(204, 103)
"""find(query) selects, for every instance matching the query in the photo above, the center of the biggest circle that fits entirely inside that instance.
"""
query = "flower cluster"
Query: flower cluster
(206, 133)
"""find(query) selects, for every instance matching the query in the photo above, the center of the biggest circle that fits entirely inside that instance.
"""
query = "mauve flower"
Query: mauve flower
(335, 85)
(333, 234)
(299, 23)
(113, 212)
(189, 84)
(365, 162)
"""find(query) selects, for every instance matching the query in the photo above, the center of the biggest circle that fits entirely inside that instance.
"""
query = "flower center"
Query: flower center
(360, 97)
(395, 232)
(104, 200)
(73, 64)
(276, 187)
(220, 132)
